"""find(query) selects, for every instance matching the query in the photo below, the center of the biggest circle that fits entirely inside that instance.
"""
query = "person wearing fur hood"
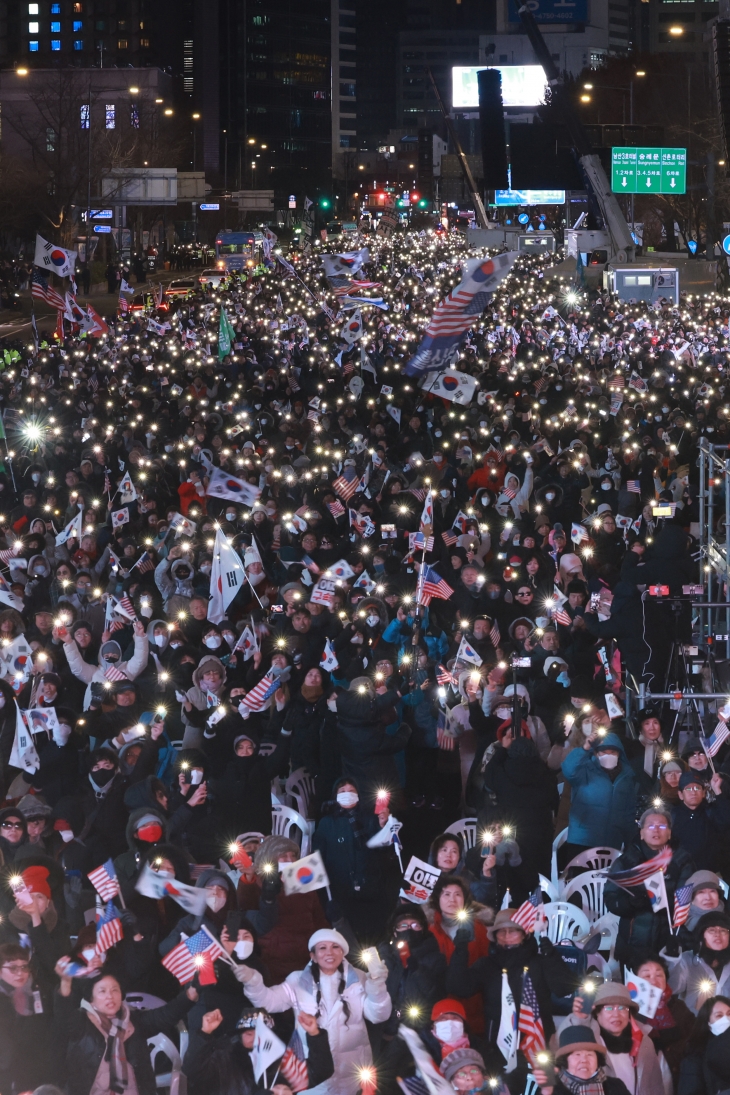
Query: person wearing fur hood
(110, 661)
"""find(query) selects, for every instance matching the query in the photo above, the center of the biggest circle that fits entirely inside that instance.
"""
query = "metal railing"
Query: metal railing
(714, 549)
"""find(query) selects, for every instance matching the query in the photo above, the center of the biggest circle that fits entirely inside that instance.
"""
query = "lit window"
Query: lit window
(33, 28)
(50, 140)
(78, 43)
(55, 28)
(84, 115)
(110, 116)
(134, 115)
(55, 9)
(144, 43)
(32, 9)
(122, 43)
(55, 44)
(78, 25)
(33, 47)
(78, 8)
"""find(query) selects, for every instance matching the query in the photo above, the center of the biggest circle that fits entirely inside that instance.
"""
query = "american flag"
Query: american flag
(93, 382)
(144, 564)
(419, 493)
(509, 493)
(414, 1085)
(43, 291)
(127, 607)
(455, 315)
(713, 744)
(633, 486)
(111, 673)
(526, 915)
(636, 876)
(257, 697)
(682, 902)
(433, 585)
(449, 538)
(498, 453)
(313, 415)
(336, 509)
(562, 617)
(541, 384)
(529, 1025)
(495, 635)
(104, 880)
(443, 675)
(348, 368)
(194, 955)
(419, 542)
(293, 1065)
(345, 487)
(108, 928)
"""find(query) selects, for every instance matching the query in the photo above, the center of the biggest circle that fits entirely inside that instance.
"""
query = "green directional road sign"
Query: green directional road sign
(649, 170)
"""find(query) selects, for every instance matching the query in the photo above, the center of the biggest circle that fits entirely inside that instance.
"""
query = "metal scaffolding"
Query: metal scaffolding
(714, 503)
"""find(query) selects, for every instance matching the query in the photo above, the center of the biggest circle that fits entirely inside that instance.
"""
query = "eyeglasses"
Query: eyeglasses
(17, 967)
(12, 825)
(615, 1007)
(660, 828)
(524, 592)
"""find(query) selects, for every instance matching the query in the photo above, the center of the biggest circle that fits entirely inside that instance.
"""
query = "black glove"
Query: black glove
(463, 935)
(271, 886)
(404, 687)
(672, 947)
(129, 921)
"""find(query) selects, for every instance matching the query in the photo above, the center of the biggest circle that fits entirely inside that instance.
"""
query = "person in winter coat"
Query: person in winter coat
(104, 1045)
(110, 660)
(453, 910)
(416, 968)
(603, 794)
(625, 625)
(340, 997)
(364, 881)
(174, 579)
(707, 896)
(700, 827)
(704, 971)
(672, 1022)
(34, 919)
(498, 703)
(13, 833)
(221, 1065)
(306, 716)
(283, 948)
(579, 1062)
(27, 1058)
(705, 1068)
(640, 929)
(526, 798)
(517, 955)
(242, 795)
(145, 829)
(367, 750)
(208, 690)
(630, 1053)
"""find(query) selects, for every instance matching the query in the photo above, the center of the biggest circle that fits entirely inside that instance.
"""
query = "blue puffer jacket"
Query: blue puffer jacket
(602, 809)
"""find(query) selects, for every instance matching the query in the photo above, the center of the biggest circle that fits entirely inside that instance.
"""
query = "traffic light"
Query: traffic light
(423, 203)
(414, 198)
(324, 203)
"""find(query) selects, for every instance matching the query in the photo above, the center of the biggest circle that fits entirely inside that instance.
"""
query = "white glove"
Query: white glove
(244, 974)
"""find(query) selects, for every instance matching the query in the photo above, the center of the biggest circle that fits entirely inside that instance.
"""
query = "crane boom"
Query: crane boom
(471, 184)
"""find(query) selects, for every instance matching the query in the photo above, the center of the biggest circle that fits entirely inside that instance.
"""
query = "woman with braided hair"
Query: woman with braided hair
(340, 998)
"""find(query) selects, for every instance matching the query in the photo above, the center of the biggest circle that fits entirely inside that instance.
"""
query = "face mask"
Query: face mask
(445, 493)
(35, 477)
(549, 496)
(347, 799)
(665, 410)
(379, 568)
(230, 517)
(41, 571)
(88, 953)
(213, 642)
(175, 646)
(587, 727)
(61, 734)
(720, 1025)
(169, 448)
(558, 387)
(206, 568)
(607, 760)
(102, 777)
(230, 639)
(159, 640)
(215, 902)
(243, 949)
(485, 499)
(373, 621)
(150, 834)
(166, 874)
(605, 486)
(564, 679)
(543, 401)
(502, 713)
(67, 835)
(448, 1031)
(492, 594)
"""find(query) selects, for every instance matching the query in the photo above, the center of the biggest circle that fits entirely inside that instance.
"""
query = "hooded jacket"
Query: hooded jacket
(170, 585)
(95, 674)
(602, 808)
(367, 750)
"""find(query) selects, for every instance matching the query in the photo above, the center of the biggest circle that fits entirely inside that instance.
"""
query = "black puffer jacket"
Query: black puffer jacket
(367, 751)
(419, 983)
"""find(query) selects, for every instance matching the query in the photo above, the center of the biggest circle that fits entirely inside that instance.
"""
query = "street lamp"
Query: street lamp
(22, 71)
(134, 91)
(168, 112)
(676, 32)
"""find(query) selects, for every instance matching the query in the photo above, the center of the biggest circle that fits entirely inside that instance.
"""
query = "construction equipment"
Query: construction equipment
(471, 184)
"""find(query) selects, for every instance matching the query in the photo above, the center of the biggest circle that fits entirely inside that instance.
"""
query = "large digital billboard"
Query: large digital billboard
(522, 85)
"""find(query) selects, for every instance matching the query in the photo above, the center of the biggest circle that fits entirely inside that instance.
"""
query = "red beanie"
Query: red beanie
(447, 1007)
(36, 880)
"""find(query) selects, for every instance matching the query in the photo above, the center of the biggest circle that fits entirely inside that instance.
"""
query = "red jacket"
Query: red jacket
(188, 495)
(284, 948)
(478, 948)
(490, 475)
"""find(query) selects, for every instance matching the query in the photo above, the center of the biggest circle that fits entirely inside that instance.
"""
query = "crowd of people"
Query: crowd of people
(304, 668)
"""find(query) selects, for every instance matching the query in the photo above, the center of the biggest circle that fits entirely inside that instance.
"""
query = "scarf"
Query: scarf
(663, 1018)
(114, 1073)
(311, 692)
(449, 1047)
(576, 1086)
(651, 751)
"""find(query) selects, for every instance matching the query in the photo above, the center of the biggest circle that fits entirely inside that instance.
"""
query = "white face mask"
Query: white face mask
(159, 640)
(61, 734)
(213, 642)
(230, 517)
(88, 953)
(720, 1025)
(175, 646)
(502, 713)
(608, 760)
(587, 727)
(166, 874)
(448, 1030)
(373, 621)
(347, 799)
(67, 835)
(605, 486)
(549, 496)
(243, 949)
(215, 901)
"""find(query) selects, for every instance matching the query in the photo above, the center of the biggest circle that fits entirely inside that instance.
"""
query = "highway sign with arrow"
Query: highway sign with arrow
(649, 170)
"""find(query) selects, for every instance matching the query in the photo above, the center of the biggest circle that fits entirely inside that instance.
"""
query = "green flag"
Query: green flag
(225, 336)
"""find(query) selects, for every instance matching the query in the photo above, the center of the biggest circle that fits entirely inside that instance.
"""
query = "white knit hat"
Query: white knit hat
(328, 935)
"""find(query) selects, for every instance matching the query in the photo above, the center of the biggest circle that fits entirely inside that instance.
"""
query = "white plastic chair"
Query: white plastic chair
(589, 886)
(466, 828)
(267, 748)
(560, 839)
(143, 1001)
(175, 1079)
(593, 859)
(531, 1085)
(549, 888)
(301, 787)
(607, 925)
(565, 921)
(284, 819)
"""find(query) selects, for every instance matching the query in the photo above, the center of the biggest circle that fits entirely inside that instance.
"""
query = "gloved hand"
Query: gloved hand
(271, 886)
(672, 948)
(404, 687)
(242, 973)
(463, 935)
(129, 921)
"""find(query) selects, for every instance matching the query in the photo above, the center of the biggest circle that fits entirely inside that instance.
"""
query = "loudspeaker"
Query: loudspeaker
(491, 124)
(721, 42)
(540, 159)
